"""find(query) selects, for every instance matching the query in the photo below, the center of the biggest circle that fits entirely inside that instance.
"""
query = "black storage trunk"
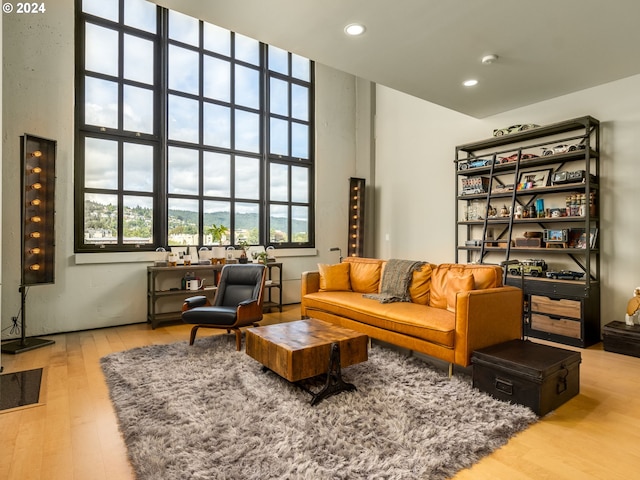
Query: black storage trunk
(537, 376)
(619, 337)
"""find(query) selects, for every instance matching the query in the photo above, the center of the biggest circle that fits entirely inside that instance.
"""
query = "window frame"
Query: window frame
(161, 143)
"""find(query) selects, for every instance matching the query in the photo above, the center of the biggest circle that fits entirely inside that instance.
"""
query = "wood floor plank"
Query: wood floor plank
(75, 435)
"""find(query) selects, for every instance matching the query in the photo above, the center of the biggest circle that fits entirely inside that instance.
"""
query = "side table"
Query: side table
(270, 284)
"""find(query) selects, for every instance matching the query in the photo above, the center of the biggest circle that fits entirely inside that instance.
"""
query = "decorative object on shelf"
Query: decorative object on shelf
(474, 185)
(355, 243)
(562, 178)
(479, 162)
(564, 275)
(172, 259)
(532, 267)
(161, 257)
(244, 246)
(556, 237)
(205, 255)
(38, 158)
(530, 242)
(578, 238)
(533, 179)
(255, 252)
(499, 132)
(271, 253)
(633, 309)
(563, 148)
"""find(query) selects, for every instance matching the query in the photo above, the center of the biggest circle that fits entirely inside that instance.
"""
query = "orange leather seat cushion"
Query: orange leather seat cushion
(433, 324)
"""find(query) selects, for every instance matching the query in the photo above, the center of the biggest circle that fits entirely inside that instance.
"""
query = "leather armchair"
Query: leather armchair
(238, 302)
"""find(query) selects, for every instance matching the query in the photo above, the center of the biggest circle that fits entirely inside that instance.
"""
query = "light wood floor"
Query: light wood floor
(73, 434)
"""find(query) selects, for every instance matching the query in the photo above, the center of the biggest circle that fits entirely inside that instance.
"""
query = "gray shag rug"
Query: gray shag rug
(210, 412)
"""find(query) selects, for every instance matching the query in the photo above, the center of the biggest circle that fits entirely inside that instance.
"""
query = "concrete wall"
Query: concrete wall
(415, 176)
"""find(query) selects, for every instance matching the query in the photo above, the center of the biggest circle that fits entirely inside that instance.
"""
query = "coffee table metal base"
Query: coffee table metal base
(334, 382)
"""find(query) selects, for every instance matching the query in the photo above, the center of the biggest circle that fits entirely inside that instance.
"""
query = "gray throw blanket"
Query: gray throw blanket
(396, 280)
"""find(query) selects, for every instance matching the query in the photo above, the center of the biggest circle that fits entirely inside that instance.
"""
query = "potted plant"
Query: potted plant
(217, 232)
(260, 257)
(244, 246)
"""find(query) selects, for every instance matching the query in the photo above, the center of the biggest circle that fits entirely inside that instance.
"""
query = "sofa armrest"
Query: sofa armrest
(310, 282)
(486, 317)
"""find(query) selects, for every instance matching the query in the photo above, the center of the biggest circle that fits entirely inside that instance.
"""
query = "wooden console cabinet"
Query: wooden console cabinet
(165, 294)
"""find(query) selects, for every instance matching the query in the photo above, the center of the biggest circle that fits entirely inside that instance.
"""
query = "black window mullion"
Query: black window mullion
(160, 142)
(160, 220)
(263, 208)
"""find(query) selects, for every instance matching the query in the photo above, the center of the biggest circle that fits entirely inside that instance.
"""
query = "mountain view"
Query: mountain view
(101, 225)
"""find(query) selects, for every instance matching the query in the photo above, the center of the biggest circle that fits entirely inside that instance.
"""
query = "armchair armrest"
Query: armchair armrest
(486, 317)
(249, 311)
(193, 302)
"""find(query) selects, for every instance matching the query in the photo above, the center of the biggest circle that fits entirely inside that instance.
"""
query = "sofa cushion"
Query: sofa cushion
(420, 321)
(421, 285)
(457, 282)
(334, 277)
(364, 274)
(484, 276)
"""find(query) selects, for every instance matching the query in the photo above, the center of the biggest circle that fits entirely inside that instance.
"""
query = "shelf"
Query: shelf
(525, 164)
(532, 134)
(569, 187)
(182, 293)
(545, 251)
(527, 221)
(584, 293)
(167, 317)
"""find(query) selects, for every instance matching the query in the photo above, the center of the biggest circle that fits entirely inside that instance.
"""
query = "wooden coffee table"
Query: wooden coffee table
(307, 348)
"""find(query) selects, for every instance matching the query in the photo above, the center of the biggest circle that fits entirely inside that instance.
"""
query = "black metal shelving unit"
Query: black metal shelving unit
(564, 311)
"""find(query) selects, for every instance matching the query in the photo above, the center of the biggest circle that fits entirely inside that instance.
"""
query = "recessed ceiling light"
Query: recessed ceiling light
(354, 29)
(470, 83)
(489, 59)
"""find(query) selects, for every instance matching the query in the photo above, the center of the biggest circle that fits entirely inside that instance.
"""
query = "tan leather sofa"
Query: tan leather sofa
(454, 308)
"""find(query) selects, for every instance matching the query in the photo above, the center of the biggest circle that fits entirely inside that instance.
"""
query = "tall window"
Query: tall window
(182, 133)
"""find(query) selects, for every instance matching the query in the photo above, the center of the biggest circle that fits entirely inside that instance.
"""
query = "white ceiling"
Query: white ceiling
(427, 48)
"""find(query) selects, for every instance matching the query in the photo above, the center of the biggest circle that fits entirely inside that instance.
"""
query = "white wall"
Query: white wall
(415, 176)
(415, 145)
(38, 92)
